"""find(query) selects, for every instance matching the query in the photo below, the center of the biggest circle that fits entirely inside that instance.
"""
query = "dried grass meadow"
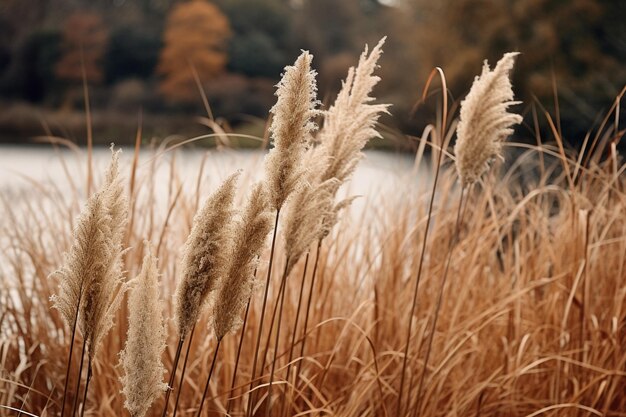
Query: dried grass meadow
(521, 270)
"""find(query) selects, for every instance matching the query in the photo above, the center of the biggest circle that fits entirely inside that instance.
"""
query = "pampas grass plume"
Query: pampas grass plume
(351, 121)
(206, 255)
(249, 236)
(291, 129)
(104, 290)
(484, 120)
(142, 382)
(84, 259)
(304, 220)
(117, 202)
(91, 277)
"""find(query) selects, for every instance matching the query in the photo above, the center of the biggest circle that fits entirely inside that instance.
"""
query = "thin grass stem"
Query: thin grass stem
(295, 325)
(87, 381)
(417, 284)
(170, 384)
(206, 387)
(431, 336)
(69, 362)
(241, 339)
(277, 339)
(308, 305)
(80, 374)
(260, 331)
(182, 372)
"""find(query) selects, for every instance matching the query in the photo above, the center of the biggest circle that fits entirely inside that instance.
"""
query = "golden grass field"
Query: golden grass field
(532, 319)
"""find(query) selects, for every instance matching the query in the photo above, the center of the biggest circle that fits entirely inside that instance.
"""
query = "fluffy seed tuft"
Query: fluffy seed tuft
(305, 218)
(90, 279)
(291, 129)
(141, 358)
(484, 122)
(206, 255)
(249, 237)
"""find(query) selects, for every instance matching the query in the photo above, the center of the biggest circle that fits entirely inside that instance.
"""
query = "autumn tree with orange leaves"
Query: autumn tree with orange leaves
(195, 37)
(84, 44)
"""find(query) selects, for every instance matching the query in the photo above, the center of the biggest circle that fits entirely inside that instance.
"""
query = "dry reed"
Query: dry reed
(535, 324)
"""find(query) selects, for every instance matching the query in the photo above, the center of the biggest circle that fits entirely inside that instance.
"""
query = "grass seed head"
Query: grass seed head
(206, 255)
(484, 121)
(249, 237)
(142, 382)
(291, 129)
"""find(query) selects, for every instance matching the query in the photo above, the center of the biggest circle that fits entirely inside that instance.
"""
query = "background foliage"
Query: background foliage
(135, 58)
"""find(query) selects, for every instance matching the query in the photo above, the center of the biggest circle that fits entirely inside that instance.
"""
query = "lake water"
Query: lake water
(23, 167)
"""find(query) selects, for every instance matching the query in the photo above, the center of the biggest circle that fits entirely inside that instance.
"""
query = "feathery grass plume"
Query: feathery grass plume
(332, 216)
(291, 129)
(484, 122)
(116, 199)
(92, 273)
(206, 255)
(351, 121)
(249, 236)
(142, 382)
(86, 258)
(304, 220)
(104, 291)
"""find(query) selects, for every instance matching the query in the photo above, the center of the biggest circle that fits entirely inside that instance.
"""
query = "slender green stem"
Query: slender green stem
(277, 340)
(417, 284)
(229, 401)
(80, 375)
(260, 331)
(170, 384)
(182, 373)
(87, 381)
(295, 325)
(208, 380)
(431, 336)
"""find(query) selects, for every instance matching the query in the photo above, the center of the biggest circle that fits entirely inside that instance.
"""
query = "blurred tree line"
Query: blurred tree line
(152, 54)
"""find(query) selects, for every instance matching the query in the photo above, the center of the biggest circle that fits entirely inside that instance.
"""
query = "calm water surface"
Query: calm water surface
(23, 167)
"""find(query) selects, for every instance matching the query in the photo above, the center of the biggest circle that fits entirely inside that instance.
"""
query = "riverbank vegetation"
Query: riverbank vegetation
(487, 289)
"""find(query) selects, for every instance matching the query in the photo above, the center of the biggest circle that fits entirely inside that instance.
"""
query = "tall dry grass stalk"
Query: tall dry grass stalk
(249, 237)
(302, 226)
(142, 382)
(439, 136)
(348, 125)
(90, 280)
(90, 238)
(103, 292)
(204, 264)
(351, 121)
(484, 124)
(291, 129)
